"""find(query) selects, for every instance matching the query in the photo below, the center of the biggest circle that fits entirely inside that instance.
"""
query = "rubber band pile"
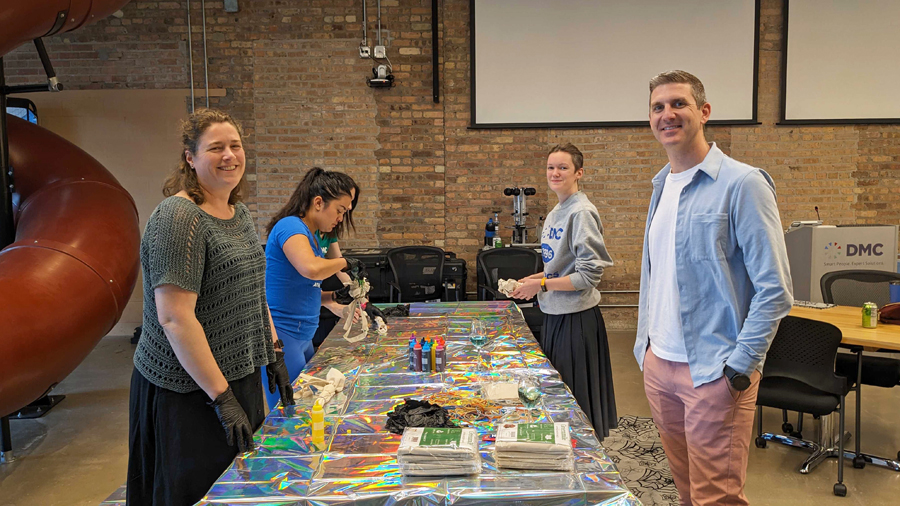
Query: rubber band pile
(466, 409)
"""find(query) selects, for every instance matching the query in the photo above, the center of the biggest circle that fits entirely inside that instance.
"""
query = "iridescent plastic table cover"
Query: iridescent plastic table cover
(358, 465)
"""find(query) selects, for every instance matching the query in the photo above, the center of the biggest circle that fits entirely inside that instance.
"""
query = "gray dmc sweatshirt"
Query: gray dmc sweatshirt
(572, 245)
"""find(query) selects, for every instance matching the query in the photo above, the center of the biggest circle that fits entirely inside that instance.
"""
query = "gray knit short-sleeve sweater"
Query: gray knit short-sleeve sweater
(222, 262)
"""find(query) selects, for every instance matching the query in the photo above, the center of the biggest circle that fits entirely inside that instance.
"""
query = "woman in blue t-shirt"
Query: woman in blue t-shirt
(296, 264)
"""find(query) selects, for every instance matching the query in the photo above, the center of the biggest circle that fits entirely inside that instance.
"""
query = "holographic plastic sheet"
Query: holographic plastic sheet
(357, 462)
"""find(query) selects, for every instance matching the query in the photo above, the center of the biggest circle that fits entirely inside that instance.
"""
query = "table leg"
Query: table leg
(858, 462)
(6, 453)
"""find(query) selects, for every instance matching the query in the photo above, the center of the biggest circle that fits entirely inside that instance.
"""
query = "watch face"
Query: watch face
(740, 382)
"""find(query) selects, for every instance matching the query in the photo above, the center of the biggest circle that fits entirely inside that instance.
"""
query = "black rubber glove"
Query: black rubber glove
(342, 296)
(278, 377)
(373, 311)
(234, 420)
(355, 269)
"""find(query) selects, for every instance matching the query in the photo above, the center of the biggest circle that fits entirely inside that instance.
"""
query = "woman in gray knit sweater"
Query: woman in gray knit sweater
(196, 395)
(574, 335)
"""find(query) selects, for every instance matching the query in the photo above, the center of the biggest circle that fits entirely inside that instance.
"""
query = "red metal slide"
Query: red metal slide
(65, 280)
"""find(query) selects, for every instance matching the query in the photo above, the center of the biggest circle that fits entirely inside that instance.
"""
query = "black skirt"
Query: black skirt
(176, 445)
(578, 348)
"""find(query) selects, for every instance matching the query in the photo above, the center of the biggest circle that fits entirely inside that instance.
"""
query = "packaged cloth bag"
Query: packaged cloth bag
(534, 446)
(432, 451)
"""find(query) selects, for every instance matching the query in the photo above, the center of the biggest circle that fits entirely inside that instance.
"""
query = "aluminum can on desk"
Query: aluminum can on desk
(869, 315)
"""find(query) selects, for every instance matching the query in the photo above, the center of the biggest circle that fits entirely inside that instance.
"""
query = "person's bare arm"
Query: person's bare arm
(300, 254)
(334, 251)
(175, 309)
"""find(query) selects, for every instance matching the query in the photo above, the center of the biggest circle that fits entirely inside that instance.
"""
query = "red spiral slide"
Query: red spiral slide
(65, 280)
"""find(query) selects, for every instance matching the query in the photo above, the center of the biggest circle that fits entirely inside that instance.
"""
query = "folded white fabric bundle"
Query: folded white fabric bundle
(536, 446)
(507, 286)
(414, 469)
(427, 451)
(568, 464)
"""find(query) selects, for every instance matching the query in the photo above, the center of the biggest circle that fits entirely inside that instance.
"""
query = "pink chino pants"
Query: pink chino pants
(705, 431)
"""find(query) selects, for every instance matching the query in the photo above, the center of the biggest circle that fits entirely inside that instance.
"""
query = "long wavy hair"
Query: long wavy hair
(329, 185)
(184, 177)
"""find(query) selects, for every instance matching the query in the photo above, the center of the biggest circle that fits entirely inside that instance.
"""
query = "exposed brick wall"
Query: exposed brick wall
(301, 123)
(292, 76)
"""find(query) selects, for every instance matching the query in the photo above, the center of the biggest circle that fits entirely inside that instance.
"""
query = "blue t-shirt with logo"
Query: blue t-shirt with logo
(294, 299)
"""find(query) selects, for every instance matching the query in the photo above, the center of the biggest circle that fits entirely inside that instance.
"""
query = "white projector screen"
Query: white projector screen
(840, 62)
(565, 63)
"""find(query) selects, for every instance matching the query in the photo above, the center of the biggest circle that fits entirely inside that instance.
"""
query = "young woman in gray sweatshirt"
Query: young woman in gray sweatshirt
(574, 335)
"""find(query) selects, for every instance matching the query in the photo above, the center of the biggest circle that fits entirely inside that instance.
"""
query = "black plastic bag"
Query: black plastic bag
(398, 310)
(413, 413)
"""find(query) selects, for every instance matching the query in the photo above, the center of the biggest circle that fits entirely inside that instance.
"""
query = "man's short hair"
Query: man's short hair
(680, 76)
(574, 152)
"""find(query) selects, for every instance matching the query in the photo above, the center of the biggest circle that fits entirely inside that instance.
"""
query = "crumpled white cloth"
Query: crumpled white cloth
(508, 286)
(381, 327)
(333, 383)
(358, 291)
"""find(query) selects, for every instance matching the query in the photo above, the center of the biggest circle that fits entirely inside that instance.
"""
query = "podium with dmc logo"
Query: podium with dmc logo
(819, 249)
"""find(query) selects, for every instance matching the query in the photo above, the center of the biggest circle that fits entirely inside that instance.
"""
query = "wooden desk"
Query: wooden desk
(849, 320)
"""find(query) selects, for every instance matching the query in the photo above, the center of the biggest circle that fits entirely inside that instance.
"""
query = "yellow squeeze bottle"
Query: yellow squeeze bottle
(317, 416)
(433, 350)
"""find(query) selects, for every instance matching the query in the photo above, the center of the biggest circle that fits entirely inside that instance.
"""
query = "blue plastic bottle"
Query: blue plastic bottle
(426, 357)
(489, 232)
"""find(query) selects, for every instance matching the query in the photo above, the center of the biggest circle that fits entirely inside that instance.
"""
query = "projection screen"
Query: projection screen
(587, 62)
(840, 62)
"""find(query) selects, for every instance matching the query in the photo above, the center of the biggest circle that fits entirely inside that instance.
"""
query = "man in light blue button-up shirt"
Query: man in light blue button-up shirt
(714, 285)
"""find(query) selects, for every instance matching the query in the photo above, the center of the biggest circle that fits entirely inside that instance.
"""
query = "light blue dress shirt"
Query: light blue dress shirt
(732, 267)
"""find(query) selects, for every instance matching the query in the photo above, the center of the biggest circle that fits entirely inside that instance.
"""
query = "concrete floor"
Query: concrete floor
(77, 454)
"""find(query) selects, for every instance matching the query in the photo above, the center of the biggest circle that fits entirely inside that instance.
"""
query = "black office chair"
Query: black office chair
(418, 273)
(510, 263)
(799, 376)
(854, 288)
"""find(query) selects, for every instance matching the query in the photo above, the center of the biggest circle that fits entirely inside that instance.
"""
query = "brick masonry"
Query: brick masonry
(293, 77)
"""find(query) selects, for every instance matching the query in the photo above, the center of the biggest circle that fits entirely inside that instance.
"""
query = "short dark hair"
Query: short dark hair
(574, 152)
(680, 76)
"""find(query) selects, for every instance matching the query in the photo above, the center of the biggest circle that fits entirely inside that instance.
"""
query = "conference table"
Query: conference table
(849, 320)
(357, 462)
(883, 337)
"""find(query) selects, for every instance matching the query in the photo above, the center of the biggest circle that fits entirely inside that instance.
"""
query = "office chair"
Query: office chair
(418, 273)
(510, 263)
(799, 376)
(854, 288)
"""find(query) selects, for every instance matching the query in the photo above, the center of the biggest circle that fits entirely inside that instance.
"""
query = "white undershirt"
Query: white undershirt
(666, 336)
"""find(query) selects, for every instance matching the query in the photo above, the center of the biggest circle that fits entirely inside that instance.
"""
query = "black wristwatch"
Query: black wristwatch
(739, 381)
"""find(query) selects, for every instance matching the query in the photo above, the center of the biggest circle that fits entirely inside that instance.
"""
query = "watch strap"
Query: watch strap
(544, 284)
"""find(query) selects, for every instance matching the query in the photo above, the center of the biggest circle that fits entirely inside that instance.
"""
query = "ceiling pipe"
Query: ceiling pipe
(190, 49)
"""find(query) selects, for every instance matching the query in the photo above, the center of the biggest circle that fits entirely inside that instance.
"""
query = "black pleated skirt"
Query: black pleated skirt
(176, 445)
(578, 348)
